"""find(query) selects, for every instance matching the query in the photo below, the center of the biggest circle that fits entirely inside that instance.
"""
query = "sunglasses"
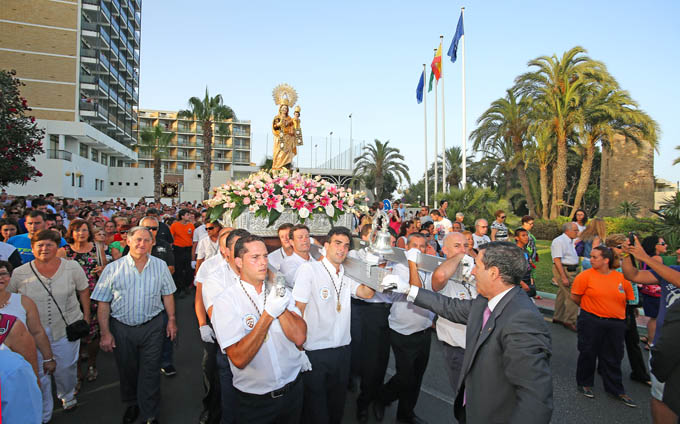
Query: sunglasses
(123, 232)
(619, 246)
(210, 228)
(152, 228)
(503, 217)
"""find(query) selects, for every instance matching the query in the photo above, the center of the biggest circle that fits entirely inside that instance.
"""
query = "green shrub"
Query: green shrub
(623, 225)
(546, 229)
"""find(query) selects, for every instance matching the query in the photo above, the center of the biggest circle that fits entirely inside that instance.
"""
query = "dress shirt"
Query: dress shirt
(405, 317)
(64, 285)
(206, 248)
(276, 258)
(494, 300)
(215, 275)
(326, 326)
(290, 265)
(135, 297)
(278, 362)
(200, 233)
(563, 247)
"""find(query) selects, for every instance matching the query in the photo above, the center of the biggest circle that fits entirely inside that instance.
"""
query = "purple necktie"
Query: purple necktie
(485, 318)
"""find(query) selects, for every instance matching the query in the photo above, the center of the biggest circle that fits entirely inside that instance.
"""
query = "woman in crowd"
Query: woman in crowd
(470, 251)
(8, 229)
(581, 219)
(654, 246)
(593, 236)
(110, 229)
(395, 220)
(601, 292)
(91, 257)
(117, 247)
(638, 365)
(499, 231)
(55, 285)
(407, 227)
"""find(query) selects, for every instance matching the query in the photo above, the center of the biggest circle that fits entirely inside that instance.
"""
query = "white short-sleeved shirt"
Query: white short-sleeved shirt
(377, 297)
(326, 327)
(450, 332)
(199, 233)
(276, 258)
(207, 248)
(443, 224)
(563, 247)
(405, 317)
(278, 362)
(290, 265)
(215, 275)
(479, 240)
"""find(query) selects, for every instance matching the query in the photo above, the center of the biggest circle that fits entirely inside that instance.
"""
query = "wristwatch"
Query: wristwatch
(48, 360)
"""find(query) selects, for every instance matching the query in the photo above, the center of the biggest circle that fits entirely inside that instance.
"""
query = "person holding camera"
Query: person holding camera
(55, 285)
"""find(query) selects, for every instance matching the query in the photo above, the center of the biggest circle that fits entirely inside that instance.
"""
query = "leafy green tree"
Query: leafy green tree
(20, 137)
(376, 162)
(389, 185)
(669, 227)
(541, 151)
(208, 111)
(474, 202)
(155, 142)
(507, 118)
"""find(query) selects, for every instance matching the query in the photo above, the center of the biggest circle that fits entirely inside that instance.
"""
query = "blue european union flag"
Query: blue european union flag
(421, 86)
(453, 49)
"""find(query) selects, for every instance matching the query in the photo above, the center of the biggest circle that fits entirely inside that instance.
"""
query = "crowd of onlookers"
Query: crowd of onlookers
(54, 251)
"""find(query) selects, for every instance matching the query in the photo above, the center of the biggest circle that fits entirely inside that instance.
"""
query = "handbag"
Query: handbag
(77, 329)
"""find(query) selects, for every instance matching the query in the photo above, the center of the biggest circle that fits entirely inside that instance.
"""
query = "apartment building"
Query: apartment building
(80, 63)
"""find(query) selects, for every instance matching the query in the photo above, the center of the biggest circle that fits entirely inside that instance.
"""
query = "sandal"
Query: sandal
(91, 374)
(70, 405)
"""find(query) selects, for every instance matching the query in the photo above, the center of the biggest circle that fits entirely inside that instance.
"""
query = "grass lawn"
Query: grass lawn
(543, 272)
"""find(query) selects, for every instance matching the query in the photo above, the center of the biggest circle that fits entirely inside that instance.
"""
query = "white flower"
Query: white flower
(280, 208)
(330, 210)
(303, 212)
(252, 208)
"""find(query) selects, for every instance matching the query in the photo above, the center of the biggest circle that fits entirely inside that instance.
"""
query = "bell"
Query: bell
(382, 245)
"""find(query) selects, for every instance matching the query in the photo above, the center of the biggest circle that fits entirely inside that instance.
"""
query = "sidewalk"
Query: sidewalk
(545, 302)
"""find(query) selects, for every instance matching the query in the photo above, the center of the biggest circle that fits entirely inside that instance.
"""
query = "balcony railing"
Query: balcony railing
(58, 154)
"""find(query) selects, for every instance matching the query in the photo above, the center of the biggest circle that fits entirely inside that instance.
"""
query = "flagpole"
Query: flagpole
(462, 39)
(436, 145)
(441, 42)
(427, 198)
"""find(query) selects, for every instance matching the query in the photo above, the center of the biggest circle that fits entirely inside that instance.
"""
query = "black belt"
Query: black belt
(274, 393)
(570, 268)
(599, 317)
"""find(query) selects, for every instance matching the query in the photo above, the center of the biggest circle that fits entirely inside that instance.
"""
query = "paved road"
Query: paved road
(181, 395)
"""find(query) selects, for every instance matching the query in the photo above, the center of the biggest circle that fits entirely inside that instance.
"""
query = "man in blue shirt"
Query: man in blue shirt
(21, 397)
(35, 222)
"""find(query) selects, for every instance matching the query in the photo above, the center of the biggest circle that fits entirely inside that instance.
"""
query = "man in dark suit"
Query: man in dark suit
(506, 374)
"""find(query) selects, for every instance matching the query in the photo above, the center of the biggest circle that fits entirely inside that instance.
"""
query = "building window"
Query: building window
(83, 150)
(104, 159)
(80, 181)
(112, 162)
(111, 183)
(94, 155)
(73, 180)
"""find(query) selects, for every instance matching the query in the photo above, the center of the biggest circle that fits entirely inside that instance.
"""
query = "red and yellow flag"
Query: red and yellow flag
(437, 63)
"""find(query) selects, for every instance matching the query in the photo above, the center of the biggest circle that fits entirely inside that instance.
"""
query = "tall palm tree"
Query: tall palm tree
(556, 87)
(155, 142)
(507, 117)
(379, 159)
(677, 160)
(541, 151)
(608, 112)
(208, 111)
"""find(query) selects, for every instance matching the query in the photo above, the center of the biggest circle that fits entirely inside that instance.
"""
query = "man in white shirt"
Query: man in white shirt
(442, 225)
(199, 233)
(479, 236)
(565, 268)
(322, 293)
(260, 332)
(409, 337)
(276, 257)
(299, 237)
(207, 246)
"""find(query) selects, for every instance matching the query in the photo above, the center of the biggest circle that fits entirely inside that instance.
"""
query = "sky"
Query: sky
(365, 58)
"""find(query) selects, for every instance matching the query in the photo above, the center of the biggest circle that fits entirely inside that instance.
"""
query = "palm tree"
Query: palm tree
(556, 88)
(677, 160)
(541, 151)
(608, 112)
(154, 142)
(507, 117)
(208, 111)
(378, 160)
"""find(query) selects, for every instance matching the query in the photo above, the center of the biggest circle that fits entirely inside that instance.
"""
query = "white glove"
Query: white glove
(207, 334)
(277, 305)
(394, 283)
(193, 264)
(412, 254)
(468, 263)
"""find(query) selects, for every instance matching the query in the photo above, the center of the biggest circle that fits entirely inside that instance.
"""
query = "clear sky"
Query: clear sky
(365, 58)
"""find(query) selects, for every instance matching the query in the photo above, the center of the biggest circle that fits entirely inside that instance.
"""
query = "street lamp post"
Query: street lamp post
(330, 156)
(316, 157)
(351, 143)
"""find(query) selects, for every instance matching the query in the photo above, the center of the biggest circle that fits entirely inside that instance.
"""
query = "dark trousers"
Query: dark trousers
(325, 386)
(453, 358)
(183, 273)
(411, 354)
(166, 353)
(212, 409)
(265, 409)
(355, 332)
(228, 402)
(138, 357)
(638, 365)
(375, 351)
(600, 342)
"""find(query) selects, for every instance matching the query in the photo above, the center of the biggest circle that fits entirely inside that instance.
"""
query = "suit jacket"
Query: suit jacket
(506, 376)
(666, 357)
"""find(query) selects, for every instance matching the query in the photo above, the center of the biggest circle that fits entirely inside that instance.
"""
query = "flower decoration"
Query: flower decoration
(268, 194)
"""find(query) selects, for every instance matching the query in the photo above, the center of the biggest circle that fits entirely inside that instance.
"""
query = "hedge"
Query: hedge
(545, 229)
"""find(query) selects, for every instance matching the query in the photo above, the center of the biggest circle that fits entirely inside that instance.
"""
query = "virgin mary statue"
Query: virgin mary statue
(286, 130)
